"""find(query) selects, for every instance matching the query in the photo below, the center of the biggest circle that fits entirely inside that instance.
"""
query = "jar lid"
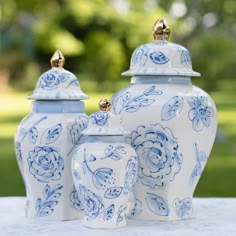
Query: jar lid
(104, 122)
(58, 83)
(161, 57)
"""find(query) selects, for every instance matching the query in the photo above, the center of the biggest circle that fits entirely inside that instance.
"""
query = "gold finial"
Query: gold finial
(105, 105)
(57, 59)
(161, 30)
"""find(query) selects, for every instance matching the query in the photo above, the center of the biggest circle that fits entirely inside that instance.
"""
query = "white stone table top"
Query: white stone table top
(212, 216)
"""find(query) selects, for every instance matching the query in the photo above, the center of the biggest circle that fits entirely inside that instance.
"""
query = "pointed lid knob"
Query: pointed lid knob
(57, 59)
(161, 30)
(58, 83)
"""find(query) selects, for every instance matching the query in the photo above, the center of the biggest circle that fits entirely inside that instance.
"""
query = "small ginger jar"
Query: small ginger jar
(104, 169)
(44, 142)
(173, 126)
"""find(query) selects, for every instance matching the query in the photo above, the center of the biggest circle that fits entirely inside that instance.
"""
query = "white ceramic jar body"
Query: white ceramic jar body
(173, 126)
(104, 170)
(44, 142)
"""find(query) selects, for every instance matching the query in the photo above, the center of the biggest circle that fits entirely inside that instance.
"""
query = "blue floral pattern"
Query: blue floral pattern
(53, 133)
(185, 58)
(201, 159)
(101, 176)
(46, 207)
(109, 212)
(45, 164)
(33, 135)
(128, 103)
(183, 208)
(120, 214)
(91, 202)
(99, 118)
(138, 54)
(114, 152)
(158, 154)
(200, 112)
(79, 125)
(137, 208)
(75, 202)
(158, 57)
(113, 192)
(172, 108)
(157, 204)
(131, 175)
(51, 79)
(18, 151)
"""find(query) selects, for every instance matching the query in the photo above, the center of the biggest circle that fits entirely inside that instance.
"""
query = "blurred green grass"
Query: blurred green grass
(218, 178)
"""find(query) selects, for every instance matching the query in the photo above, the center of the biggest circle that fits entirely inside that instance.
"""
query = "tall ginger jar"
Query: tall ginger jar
(45, 140)
(173, 126)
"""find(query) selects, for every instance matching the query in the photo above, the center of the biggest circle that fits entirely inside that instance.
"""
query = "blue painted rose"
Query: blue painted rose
(159, 158)
(92, 203)
(45, 164)
(49, 80)
(99, 118)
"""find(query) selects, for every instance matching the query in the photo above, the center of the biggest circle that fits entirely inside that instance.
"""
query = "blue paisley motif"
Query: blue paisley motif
(158, 155)
(157, 204)
(172, 108)
(158, 57)
(113, 192)
(109, 212)
(183, 208)
(46, 207)
(200, 112)
(91, 202)
(53, 133)
(185, 58)
(33, 135)
(45, 164)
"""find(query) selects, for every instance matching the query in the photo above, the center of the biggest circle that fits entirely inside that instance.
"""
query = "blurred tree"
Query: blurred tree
(98, 36)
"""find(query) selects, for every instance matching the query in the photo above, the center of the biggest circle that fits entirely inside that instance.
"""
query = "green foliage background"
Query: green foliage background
(97, 37)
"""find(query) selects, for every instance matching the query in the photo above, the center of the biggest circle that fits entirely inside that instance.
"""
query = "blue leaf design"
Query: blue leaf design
(152, 91)
(172, 108)
(157, 204)
(33, 135)
(46, 207)
(53, 133)
(132, 104)
(109, 212)
(101, 176)
(125, 98)
(158, 57)
(113, 192)
(115, 153)
(76, 174)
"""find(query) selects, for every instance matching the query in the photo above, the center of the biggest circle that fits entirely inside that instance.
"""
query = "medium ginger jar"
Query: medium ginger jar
(173, 126)
(45, 140)
(104, 169)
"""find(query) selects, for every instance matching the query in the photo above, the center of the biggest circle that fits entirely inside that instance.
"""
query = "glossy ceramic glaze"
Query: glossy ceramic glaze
(173, 126)
(44, 142)
(104, 170)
